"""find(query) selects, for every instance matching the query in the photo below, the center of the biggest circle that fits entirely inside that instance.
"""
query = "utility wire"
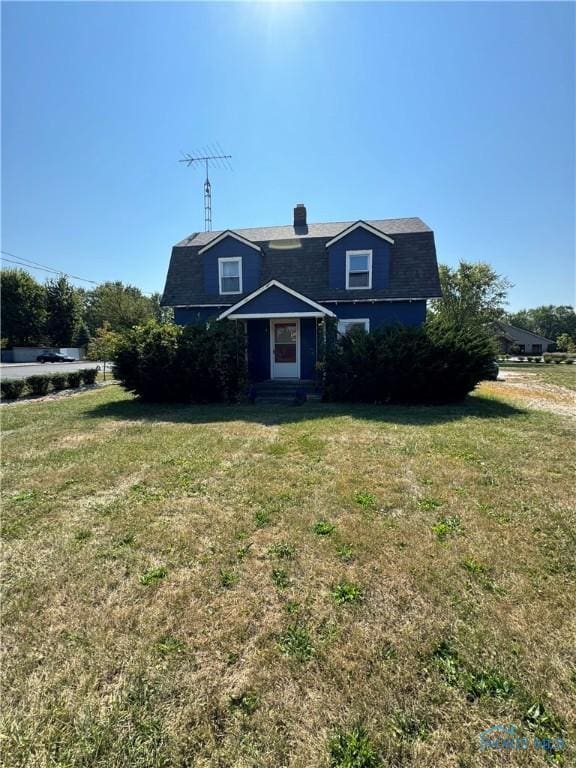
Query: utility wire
(21, 263)
(29, 263)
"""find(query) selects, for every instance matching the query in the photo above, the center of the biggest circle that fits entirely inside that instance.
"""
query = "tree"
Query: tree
(472, 294)
(102, 346)
(566, 343)
(549, 320)
(121, 306)
(64, 309)
(23, 314)
(161, 314)
(83, 336)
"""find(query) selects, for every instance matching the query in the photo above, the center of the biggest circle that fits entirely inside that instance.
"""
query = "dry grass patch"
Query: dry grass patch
(170, 599)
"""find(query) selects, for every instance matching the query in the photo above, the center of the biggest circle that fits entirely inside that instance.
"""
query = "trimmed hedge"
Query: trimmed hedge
(38, 384)
(436, 363)
(74, 379)
(171, 363)
(11, 389)
(88, 375)
(59, 381)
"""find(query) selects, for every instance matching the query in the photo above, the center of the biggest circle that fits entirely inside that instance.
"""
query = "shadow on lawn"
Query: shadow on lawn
(472, 407)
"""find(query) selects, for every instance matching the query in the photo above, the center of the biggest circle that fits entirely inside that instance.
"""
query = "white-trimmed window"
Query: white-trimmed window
(358, 270)
(230, 274)
(345, 326)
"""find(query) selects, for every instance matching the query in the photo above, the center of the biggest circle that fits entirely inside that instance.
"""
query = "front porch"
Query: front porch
(282, 331)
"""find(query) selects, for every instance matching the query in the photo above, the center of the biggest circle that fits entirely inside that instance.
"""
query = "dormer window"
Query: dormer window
(230, 274)
(358, 270)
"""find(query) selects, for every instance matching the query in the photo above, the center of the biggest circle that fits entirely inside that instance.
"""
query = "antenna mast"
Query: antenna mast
(216, 156)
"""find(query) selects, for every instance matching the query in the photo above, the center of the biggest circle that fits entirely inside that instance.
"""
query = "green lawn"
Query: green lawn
(550, 373)
(217, 587)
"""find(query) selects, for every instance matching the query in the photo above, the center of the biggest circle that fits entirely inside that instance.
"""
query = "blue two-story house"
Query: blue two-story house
(282, 281)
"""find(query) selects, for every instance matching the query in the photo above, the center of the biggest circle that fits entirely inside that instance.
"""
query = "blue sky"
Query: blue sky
(460, 113)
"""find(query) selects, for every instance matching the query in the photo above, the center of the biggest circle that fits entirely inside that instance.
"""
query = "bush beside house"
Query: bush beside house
(171, 363)
(439, 362)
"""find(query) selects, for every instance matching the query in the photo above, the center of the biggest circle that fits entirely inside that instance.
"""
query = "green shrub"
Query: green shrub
(59, 381)
(169, 363)
(439, 362)
(88, 375)
(38, 384)
(11, 389)
(74, 379)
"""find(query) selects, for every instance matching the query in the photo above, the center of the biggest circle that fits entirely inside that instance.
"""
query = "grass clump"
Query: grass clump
(280, 578)
(153, 576)
(246, 702)
(353, 749)
(295, 641)
(323, 528)
(476, 683)
(169, 644)
(347, 592)
(429, 503)
(227, 578)
(365, 500)
(446, 526)
(262, 518)
(282, 551)
(345, 552)
(243, 551)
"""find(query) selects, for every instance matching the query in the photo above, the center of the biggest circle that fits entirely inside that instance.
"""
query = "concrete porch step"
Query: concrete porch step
(285, 391)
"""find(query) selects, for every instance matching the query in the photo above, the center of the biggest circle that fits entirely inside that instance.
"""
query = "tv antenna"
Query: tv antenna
(213, 155)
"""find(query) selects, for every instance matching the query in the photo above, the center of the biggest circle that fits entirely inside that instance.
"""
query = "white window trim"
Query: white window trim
(345, 321)
(359, 287)
(221, 261)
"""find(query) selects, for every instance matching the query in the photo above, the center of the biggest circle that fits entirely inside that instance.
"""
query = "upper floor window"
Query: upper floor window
(358, 269)
(230, 274)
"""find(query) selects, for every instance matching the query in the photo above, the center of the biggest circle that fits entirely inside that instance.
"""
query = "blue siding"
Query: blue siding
(274, 300)
(359, 240)
(227, 248)
(383, 313)
(258, 349)
(195, 315)
(307, 347)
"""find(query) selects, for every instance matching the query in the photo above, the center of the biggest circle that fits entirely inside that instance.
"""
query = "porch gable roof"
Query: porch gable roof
(274, 299)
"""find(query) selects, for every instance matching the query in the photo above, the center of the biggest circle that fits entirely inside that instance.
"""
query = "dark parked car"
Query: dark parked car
(55, 357)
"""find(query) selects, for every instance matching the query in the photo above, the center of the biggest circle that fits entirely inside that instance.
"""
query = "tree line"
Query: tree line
(56, 313)
(474, 294)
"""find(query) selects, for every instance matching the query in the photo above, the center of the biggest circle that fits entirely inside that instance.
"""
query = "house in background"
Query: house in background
(514, 340)
(282, 281)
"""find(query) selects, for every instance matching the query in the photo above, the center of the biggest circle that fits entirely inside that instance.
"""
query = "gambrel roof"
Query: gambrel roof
(298, 257)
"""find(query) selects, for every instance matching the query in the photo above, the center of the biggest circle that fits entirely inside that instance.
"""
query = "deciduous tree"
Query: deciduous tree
(472, 294)
(23, 308)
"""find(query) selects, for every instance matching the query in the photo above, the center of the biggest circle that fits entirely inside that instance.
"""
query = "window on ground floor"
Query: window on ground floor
(536, 349)
(345, 326)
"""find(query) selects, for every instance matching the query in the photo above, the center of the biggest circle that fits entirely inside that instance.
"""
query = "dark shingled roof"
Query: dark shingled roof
(303, 264)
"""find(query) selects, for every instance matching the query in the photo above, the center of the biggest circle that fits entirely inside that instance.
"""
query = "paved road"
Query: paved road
(21, 370)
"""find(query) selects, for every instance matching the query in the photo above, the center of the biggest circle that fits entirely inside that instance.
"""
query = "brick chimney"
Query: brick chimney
(300, 216)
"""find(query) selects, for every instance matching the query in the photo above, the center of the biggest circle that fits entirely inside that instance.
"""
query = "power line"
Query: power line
(30, 264)
(21, 263)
